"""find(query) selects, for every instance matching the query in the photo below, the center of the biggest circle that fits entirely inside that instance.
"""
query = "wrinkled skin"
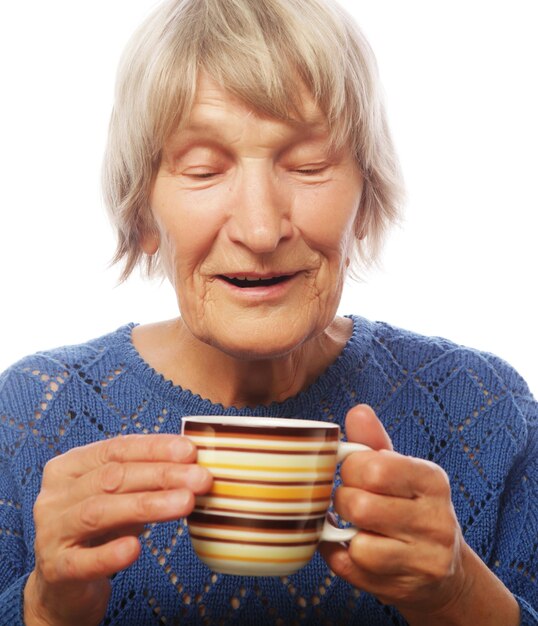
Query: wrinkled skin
(93, 504)
(410, 551)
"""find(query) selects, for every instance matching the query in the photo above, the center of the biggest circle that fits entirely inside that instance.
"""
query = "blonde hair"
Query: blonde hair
(256, 50)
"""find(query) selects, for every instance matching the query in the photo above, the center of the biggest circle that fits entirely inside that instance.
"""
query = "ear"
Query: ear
(361, 227)
(149, 242)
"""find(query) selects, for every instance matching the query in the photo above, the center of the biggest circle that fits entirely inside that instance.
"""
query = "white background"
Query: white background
(460, 83)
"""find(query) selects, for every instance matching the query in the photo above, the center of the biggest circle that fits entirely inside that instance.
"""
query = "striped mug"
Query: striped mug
(272, 482)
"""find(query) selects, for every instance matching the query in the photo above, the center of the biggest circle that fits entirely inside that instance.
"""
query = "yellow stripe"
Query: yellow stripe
(248, 559)
(269, 491)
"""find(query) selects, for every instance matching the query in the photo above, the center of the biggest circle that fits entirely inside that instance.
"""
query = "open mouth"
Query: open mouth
(249, 283)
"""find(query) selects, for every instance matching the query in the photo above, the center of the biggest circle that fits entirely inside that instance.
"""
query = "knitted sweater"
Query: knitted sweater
(465, 410)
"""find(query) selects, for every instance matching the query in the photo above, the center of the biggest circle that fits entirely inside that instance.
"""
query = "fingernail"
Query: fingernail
(181, 448)
(196, 477)
(178, 500)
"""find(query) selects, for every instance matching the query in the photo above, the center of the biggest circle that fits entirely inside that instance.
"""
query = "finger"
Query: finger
(135, 530)
(339, 561)
(424, 520)
(391, 568)
(81, 563)
(363, 426)
(378, 555)
(374, 576)
(389, 473)
(99, 515)
(123, 478)
(126, 448)
(384, 515)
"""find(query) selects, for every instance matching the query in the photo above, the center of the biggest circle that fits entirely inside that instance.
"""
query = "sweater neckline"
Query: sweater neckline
(348, 360)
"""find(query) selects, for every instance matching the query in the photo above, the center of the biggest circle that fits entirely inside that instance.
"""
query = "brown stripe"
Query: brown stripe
(275, 544)
(275, 529)
(229, 521)
(265, 450)
(280, 483)
(254, 512)
(277, 432)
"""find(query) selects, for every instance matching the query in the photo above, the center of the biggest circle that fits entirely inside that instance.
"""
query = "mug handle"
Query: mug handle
(330, 532)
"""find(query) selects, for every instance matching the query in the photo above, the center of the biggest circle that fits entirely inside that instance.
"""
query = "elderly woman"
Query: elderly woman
(249, 160)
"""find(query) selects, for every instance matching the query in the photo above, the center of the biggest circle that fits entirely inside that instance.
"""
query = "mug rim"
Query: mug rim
(258, 422)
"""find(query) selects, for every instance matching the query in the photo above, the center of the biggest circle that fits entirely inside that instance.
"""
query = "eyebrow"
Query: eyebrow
(213, 131)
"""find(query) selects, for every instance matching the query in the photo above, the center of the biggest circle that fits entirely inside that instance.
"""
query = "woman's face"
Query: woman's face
(255, 220)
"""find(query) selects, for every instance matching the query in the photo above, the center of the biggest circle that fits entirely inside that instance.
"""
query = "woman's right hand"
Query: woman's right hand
(93, 505)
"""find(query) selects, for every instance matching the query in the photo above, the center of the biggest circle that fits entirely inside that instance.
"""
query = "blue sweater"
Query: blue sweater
(465, 410)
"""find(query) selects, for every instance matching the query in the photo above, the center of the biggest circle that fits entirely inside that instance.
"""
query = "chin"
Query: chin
(259, 343)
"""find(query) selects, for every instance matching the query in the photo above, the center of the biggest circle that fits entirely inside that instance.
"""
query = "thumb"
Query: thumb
(363, 426)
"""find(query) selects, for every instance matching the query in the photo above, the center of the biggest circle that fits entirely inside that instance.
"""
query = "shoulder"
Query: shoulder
(421, 353)
(30, 384)
(459, 381)
(53, 360)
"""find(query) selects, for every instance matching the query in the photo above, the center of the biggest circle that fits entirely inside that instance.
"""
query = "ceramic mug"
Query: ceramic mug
(272, 483)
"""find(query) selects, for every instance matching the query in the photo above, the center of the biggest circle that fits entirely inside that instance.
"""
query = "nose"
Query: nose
(260, 215)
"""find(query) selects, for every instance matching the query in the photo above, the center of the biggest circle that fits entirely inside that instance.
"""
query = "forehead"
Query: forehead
(213, 106)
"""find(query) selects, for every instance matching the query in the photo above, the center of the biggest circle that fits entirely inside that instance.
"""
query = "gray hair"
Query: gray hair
(257, 51)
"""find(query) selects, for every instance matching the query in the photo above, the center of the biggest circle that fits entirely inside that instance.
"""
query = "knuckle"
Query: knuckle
(52, 468)
(108, 450)
(445, 536)
(377, 474)
(69, 566)
(142, 508)
(360, 509)
(44, 505)
(90, 514)
(163, 476)
(440, 567)
(112, 477)
(435, 476)
(41, 545)
(342, 564)
(39, 507)
(49, 571)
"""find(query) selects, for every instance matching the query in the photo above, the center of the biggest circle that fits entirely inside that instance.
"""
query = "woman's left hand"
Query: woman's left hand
(409, 551)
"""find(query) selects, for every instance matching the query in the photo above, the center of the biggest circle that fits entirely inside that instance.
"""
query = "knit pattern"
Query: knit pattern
(465, 410)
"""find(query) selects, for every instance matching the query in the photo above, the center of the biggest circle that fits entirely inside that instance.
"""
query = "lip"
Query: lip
(261, 292)
(258, 275)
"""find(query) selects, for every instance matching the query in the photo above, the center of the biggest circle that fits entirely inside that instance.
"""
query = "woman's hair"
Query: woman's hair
(257, 50)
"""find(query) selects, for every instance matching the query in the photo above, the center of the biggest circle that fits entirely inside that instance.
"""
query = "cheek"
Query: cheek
(329, 226)
(186, 232)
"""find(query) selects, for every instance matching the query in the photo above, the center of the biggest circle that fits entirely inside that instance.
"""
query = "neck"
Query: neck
(172, 350)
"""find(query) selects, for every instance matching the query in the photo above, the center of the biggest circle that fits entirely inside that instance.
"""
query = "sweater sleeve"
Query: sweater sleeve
(515, 554)
(13, 550)
(11, 603)
(12, 555)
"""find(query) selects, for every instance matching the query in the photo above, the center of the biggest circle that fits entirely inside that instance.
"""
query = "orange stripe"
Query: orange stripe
(259, 492)
(278, 541)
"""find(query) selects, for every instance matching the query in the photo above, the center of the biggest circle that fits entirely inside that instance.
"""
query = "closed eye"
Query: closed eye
(311, 171)
(200, 174)
(203, 175)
